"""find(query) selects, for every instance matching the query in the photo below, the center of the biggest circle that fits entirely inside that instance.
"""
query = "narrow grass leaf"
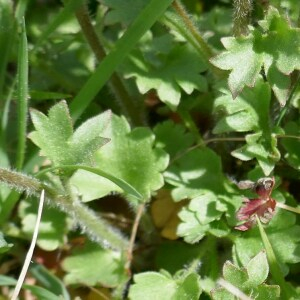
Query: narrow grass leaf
(123, 46)
(126, 187)
(49, 280)
(22, 95)
(274, 267)
(7, 23)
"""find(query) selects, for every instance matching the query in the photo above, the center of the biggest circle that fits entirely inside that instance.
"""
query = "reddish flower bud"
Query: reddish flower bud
(264, 187)
(263, 207)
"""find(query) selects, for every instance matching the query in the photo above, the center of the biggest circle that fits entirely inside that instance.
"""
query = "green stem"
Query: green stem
(93, 225)
(190, 124)
(22, 96)
(289, 208)
(128, 105)
(181, 23)
(229, 139)
(20, 182)
(206, 50)
(241, 16)
(97, 229)
(288, 102)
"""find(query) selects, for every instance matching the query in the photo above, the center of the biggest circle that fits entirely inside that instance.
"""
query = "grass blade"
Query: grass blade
(22, 95)
(7, 23)
(274, 266)
(123, 46)
(126, 187)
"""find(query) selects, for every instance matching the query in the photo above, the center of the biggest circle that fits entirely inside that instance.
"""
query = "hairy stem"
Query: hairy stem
(229, 139)
(97, 229)
(241, 16)
(93, 225)
(127, 104)
(20, 182)
(179, 8)
(181, 23)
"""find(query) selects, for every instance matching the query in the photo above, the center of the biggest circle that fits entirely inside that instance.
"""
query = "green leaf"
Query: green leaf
(130, 156)
(123, 12)
(52, 228)
(152, 285)
(22, 95)
(249, 281)
(221, 294)
(86, 177)
(189, 288)
(270, 49)
(195, 172)
(279, 40)
(234, 275)
(173, 138)
(207, 207)
(292, 145)
(41, 293)
(51, 282)
(249, 111)
(190, 228)
(268, 292)
(178, 70)
(174, 255)
(7, 21)
(7, 281)
(58, 20)
(4, 246)
(146, 18)
(239, 50)
(284, 245)
(92, 265)
(258, 269)
(198, 217)
(264, 150)
(43, 95)
(54, 135)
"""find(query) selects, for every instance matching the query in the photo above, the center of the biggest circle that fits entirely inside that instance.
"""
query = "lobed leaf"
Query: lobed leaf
(173, 138)
(269, 48)
(242, 74)
(178, 70)
(52, 228)
(153, 285)
(285, 246)
(123, 12)
(292, 145)
(249, 280)
(130, 156)
(54, 135)
(92, 264)
(195, 172)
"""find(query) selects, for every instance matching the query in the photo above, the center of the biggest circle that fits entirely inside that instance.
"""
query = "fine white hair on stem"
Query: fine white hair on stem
(233, 289)
(30, 250)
